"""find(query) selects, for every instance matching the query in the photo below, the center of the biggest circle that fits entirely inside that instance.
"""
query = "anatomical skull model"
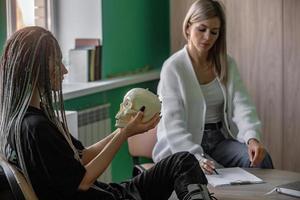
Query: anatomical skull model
(133, 101)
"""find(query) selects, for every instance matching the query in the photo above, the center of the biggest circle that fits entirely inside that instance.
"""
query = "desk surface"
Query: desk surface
(271, 177)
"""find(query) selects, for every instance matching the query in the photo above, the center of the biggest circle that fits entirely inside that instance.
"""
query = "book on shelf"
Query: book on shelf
(292, 189)
(86, 42)
(85, 60)
(98, 60)
(79, 65)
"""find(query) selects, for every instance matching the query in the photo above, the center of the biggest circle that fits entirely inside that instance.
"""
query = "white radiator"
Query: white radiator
(72, 120)
(93, 125)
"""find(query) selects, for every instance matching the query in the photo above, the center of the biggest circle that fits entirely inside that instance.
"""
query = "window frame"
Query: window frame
(11, 7)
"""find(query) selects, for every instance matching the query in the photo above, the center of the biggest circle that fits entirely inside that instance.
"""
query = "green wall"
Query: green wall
(122, 163)
(135, 35)
(2, 24)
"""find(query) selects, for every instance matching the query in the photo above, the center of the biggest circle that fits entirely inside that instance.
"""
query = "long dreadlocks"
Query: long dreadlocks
(24, 66)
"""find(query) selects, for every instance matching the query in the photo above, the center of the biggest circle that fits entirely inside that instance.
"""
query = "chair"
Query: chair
(141, 146)
(13, 183)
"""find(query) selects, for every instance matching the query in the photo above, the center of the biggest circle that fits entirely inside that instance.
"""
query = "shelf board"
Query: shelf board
(74, 90)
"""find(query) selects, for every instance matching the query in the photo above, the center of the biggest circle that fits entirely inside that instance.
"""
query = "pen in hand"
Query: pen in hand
(203, 155)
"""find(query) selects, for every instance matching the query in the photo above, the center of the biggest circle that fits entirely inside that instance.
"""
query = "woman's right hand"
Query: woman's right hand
(136, 126)
(207, 165)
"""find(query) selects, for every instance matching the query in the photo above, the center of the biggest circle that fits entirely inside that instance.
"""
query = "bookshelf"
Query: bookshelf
(75, 90)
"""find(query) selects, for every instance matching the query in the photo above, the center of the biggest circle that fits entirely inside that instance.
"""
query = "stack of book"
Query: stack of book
(85, 60)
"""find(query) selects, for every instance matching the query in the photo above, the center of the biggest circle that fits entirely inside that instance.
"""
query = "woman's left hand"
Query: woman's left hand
(256, 152)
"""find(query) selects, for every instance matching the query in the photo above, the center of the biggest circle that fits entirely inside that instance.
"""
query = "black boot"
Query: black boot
(192, 185)
(197, 192)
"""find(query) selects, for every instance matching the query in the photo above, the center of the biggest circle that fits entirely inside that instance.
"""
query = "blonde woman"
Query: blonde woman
(206, 109)
(34, 134)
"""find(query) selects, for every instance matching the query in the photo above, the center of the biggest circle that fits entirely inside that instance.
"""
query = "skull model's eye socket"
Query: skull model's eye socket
(127, 104)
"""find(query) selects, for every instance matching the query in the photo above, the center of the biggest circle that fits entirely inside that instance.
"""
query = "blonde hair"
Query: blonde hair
(202, 10)
(24, 66)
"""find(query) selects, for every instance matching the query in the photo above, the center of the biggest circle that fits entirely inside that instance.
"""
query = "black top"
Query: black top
(53, 170)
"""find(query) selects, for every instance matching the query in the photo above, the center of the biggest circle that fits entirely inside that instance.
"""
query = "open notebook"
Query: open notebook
(232, 176)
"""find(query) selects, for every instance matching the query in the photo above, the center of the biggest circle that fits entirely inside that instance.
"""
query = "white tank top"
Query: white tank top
(214, 99)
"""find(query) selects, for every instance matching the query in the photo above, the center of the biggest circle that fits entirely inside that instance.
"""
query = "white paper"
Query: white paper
(231, 176)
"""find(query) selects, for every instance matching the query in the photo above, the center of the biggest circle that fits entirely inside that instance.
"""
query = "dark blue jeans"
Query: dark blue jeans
(229, 152)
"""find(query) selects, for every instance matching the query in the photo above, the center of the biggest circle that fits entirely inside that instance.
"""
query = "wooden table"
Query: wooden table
(271, 177)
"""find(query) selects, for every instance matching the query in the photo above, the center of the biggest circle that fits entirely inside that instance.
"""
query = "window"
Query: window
(23, 13)
(66, 19)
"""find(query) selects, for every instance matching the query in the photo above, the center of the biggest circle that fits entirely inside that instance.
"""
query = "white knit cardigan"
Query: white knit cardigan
(183, 108)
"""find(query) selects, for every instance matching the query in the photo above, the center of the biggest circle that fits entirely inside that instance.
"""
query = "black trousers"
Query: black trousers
(172, 173)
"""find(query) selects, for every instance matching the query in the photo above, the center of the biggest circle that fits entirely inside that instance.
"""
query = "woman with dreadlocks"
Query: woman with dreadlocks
(34, 135)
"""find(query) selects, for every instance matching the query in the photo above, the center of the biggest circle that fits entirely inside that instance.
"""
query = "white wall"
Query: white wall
(76, 19)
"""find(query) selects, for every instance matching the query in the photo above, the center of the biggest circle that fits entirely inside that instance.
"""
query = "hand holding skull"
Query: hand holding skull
(137, 126)
(131, 119)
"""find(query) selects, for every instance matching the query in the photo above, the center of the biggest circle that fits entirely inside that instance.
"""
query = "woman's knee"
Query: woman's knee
(183, 160)
(189, 168)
